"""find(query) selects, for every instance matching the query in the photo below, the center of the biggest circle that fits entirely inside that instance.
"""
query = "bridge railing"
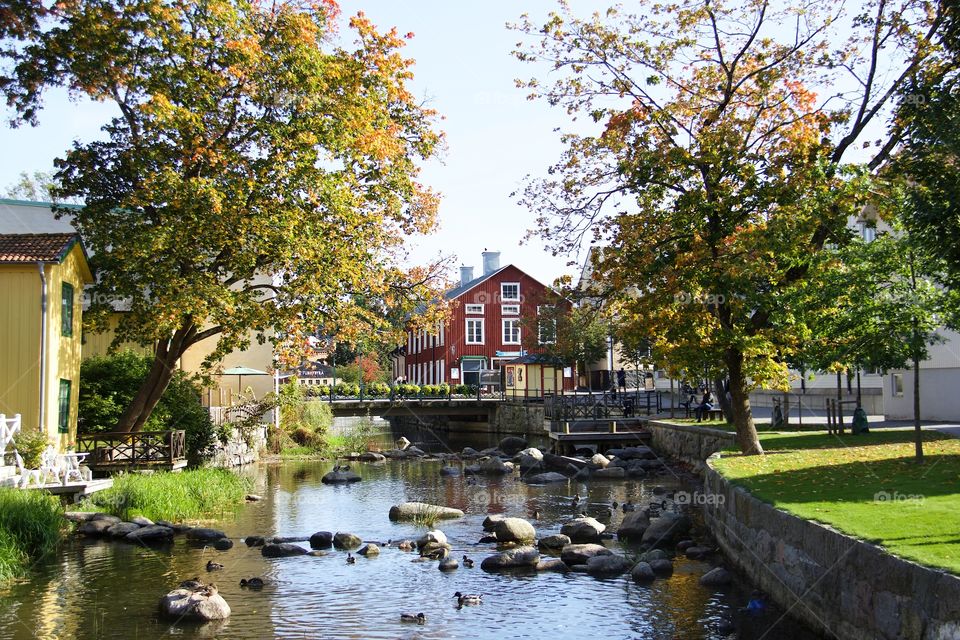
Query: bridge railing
(139, 447)
(600, 406)
(404, 392)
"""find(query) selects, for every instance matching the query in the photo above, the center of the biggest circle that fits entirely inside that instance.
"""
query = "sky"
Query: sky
(494, 135)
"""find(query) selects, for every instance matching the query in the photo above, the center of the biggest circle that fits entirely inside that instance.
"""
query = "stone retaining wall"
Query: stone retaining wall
(239, 450)
(688, 443)
(835, 584)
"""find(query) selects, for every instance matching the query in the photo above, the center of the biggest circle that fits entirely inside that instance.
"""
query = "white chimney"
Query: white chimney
(466, 275)
(491, 261)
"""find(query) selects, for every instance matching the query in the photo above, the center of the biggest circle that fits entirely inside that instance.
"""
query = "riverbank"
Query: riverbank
(31, 525)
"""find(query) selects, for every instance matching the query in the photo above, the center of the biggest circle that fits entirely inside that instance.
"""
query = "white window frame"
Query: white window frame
(503, 298)
(503, 330)
(473, 309)
(510, 310)
(466, 334)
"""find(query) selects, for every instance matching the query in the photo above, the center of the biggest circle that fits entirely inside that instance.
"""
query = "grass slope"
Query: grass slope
(31, 523)
(867, 486)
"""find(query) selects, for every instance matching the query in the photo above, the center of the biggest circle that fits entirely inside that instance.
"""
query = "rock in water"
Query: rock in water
(411, 510)
(512, 445)
(642, 572)
(282, 550)
(143, 522)
(370, 550)
(556, 542)
(449, 564)
(574, 554)
(432, 537)
(201, 534)
(154, 534)
(545, 478)
(346, 541)
(340, 477)
(321, 540)
(666, 529)
(514, 530)
(490, 522)
(611, 565)
(716, 577)
(121, 529)
(202, 603)
(634, 524)
(583, 530)
(512, 559)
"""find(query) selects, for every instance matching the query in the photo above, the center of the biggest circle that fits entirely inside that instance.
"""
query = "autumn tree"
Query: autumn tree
(717, 168)
(257, 181)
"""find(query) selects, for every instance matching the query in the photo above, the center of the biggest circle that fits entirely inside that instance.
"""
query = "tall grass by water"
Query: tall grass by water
(198, 493)
(31, 523)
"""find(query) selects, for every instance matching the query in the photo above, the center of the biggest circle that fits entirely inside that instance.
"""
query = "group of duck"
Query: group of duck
(463, 600)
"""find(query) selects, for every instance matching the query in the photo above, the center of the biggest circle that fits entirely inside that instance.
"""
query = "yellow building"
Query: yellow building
(42, 276)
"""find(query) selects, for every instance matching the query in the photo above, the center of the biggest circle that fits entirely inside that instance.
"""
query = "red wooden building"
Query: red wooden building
(489, 317)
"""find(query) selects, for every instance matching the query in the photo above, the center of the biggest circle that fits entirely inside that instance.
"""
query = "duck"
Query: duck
(193, 584)
(439, 554)
(628, 506)
(406, 545)
(252, 583)
(351, 559)
(420, 618)
(468, 599)
(536, 515)
(467, 562)
(487, 539)
(213, 566)
(209, 590)
(615, 504)
(576, 498)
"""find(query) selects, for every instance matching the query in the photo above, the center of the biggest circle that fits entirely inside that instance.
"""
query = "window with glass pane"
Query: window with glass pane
(511, 332)
(510, 309)
(510, 291)
(66, 309)
(475, 308)
(474, 331)
(63, 417)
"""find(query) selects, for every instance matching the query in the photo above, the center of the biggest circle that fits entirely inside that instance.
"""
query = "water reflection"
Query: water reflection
(111, 590)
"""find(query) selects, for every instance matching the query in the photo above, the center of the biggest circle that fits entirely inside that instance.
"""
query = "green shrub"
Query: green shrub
(443, 389)
(377, 389)
(171, 496)
(409, 389)
(109, 383)
(31, 445)
(31, 524)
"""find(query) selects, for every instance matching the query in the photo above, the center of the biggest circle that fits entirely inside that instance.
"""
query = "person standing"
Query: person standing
(622, 380)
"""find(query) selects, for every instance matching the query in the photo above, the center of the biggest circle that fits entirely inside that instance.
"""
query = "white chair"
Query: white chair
(26, 475)
(51, 464)
(71, 467)
(9, 427)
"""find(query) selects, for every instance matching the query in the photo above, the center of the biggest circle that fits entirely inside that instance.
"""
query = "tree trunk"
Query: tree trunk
(740, 405)
(165, 358)
(720, 388)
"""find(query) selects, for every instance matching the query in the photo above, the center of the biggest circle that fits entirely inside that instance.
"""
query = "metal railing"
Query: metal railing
(600, 406)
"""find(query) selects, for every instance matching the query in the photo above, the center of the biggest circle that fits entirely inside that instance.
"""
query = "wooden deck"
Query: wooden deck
(112, 452)
(567, 437)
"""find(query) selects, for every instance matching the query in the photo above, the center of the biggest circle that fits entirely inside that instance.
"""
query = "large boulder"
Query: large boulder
(512, 445)
(346, 541)
(469, 452)
(154, 534)
(202, 604)
(532, 452)
(514, 530)
(552, 564)
(632, 453)
(716, 577)
(634, 524)
(490, 522)
(573, 554)
(321, 540)
(556, 542)
(282, 550)
(340, 477)
(412, 510)
(96, 528)
(667, 529)
(141, 521)
(201, 534)
(435, 537)
(612, 565)
(599, 460)
(450, 471)
(529, 460)
(121, 529)
(545, 478)
(642, 572)
(562, 464)
(372, 456)
(610, 473)
(369, 550)
(583, 530)
(512, 559)
(662, 567)
(496, 467)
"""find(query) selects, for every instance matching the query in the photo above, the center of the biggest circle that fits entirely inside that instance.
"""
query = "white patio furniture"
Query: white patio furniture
(71, 467)
(26, 475)
(9, 427)
(51, 464)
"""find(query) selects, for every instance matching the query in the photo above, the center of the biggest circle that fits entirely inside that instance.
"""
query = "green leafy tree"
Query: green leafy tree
(717, 172)
(258, 180)
(37, 187)
(571, 334)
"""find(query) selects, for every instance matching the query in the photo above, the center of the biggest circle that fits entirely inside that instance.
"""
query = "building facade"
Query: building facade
(42, 276)
(490, 317)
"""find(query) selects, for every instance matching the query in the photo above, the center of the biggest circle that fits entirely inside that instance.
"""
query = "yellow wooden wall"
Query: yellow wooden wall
(98, 344)
(20, 343)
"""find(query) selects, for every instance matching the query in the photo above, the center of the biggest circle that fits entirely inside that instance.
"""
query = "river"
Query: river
(98, 589)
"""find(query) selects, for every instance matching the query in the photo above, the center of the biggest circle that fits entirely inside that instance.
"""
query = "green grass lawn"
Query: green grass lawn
(867, 486)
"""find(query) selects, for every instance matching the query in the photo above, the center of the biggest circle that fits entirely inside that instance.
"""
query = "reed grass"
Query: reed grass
(31, 525)
(198, 493)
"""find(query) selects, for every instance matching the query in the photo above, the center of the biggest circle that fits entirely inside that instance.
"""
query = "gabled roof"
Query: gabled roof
(36, 247)
(463, 288)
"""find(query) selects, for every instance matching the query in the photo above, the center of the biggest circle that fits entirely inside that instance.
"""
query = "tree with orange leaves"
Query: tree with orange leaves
(258, 179)
(720, 164)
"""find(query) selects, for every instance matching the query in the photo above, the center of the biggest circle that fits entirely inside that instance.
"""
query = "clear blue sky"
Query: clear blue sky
(464, 69)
